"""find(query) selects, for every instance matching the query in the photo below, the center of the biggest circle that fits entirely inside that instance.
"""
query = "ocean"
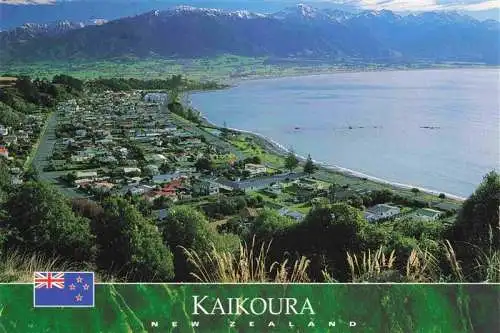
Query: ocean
(435, 129)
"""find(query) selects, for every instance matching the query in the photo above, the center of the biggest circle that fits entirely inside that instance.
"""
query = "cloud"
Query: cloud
(27, 2)
(423, 5)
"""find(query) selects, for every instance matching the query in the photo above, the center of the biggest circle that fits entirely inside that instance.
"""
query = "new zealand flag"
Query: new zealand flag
(68, 289)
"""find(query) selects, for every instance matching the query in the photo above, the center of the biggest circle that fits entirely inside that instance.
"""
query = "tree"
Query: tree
(131, 245)
(332, 192)
(224, 131)
(478, 223)
(335, 230)
(415, 190)
(31, 174)
(309, 167)
(269, 224)
(442, 196)
(188, 228)
(291, 161)
(41, 220)
(204, 164)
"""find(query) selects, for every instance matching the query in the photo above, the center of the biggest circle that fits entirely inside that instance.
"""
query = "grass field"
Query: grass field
(224, 67)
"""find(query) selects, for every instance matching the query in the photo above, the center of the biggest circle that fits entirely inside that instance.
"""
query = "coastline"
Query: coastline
(234, 80)
(275, 147)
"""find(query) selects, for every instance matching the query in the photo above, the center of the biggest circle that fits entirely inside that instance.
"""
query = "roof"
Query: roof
(260, 182)
(427, 212)
(381, 209)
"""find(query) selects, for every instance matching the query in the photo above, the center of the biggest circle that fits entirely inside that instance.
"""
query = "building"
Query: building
(205, 187)
(298, 217)
(167, 177)
(381, 212)
(131, 170)
(428, 214)
(156, 97)
(86, 174)
(4, 152)
(4, 131)
(255, 169)
(256, 184)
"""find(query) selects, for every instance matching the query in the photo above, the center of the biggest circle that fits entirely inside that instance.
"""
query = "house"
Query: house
(138, 190)
(156, 158)
(427, 214)
(380, 212)
(170, 190)
(165, 178)
(123, 152)
(4, 131)
(256, 184)
(85, 174)
(82, 183)
(275, 189)
(81, 133)
(4, 152)
(102, 186)
(255, 169)
(129, 170)
(156, 97)
(205, 187)
(292, 214)
(152, 170)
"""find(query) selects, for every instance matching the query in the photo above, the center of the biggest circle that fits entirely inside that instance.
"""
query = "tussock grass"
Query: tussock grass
(371, 266)
(249, 264)
(455, 265)
(16, 266)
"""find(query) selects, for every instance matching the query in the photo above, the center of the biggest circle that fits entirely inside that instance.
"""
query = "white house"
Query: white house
(81, 133)
(381, 211)
(86, 174)
(4, 130)
(255, 169)
(128, 170)
(156, 97)
(205, 187)
(156, 158)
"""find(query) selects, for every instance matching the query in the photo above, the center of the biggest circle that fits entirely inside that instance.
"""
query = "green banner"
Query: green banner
(262, 308)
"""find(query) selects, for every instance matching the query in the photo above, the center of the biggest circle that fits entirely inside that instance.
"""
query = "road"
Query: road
(42, 155)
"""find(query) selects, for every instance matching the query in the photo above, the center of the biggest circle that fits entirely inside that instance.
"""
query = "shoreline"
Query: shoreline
(277, 148)
(234, 81)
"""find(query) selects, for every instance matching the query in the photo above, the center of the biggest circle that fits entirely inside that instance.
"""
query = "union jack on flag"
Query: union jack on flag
(63, 289)
(49, 280)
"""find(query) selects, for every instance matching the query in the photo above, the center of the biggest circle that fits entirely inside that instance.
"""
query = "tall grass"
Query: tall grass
(371, 266)
(249, 264)
(16, 266)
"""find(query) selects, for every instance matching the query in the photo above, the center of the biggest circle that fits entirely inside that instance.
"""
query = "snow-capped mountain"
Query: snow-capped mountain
(300, 32)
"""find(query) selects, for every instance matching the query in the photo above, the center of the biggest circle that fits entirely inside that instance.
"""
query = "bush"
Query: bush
(131, 245)
(42, 220)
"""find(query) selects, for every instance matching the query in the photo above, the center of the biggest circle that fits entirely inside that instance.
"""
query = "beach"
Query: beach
(274, 147)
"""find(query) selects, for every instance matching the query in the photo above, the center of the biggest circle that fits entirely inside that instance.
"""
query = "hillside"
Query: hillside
(298, 32)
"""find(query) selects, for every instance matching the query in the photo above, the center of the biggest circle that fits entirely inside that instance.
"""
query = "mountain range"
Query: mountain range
(297, 32)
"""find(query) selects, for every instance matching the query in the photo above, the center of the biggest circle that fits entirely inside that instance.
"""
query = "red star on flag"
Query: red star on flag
(78, 298)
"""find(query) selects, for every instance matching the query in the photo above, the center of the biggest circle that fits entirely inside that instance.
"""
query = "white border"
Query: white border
(64, 306)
